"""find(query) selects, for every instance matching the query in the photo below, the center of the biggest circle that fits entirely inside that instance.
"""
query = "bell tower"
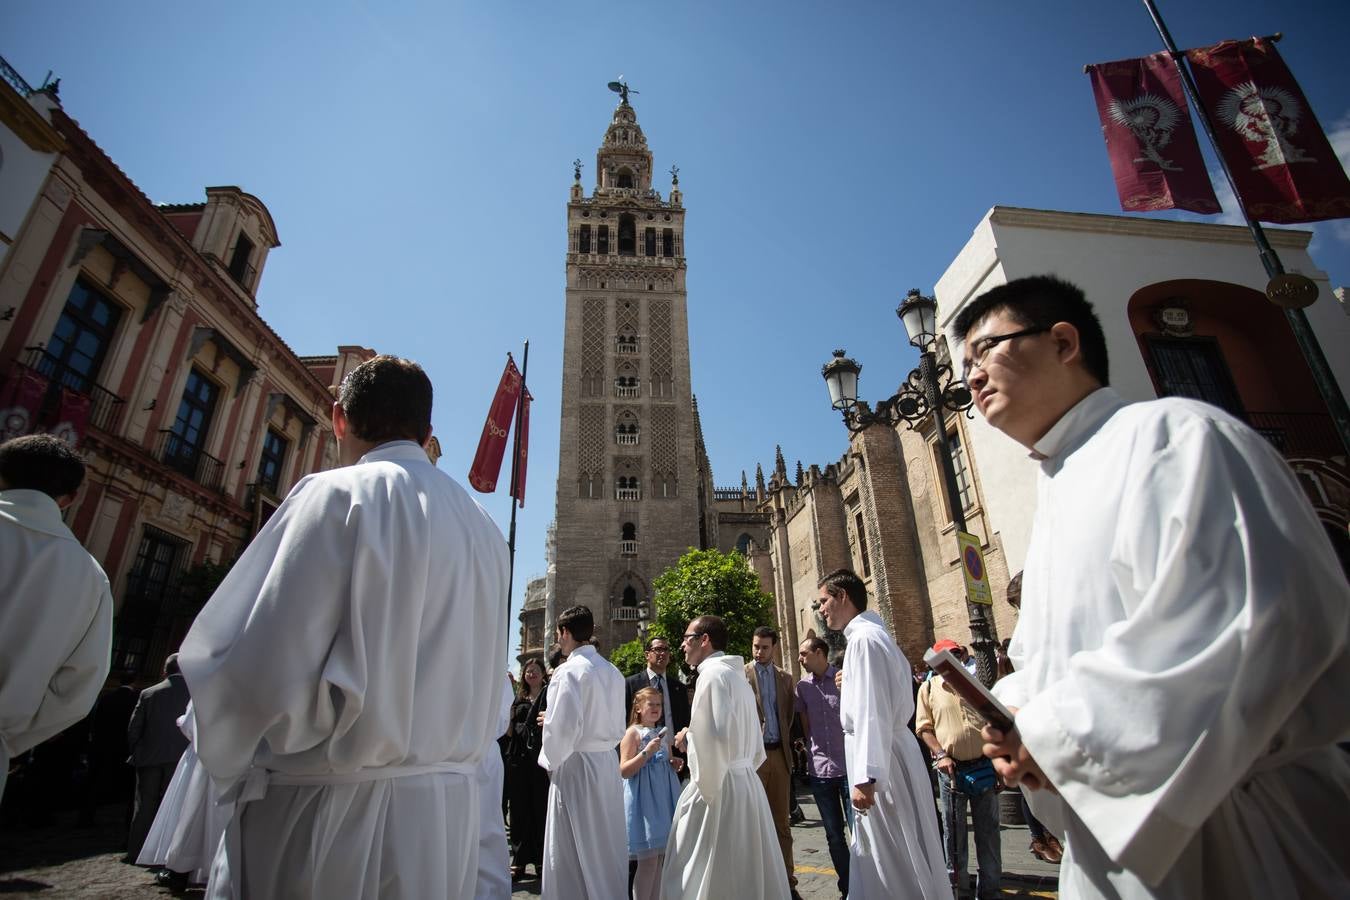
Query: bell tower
(627, 502)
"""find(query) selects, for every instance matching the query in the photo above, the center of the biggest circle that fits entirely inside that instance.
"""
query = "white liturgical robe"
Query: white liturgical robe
(585, 838)
(1182, 669)
(896, 851)
(494, 871)
(723, 842)
(331, 677)
(55, 624)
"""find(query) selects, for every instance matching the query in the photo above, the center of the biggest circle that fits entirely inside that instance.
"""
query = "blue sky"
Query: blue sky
(417, 156)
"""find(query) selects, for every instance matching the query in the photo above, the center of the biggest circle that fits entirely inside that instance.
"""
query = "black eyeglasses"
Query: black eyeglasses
(980, 349)
(659, 650)
(693, 635)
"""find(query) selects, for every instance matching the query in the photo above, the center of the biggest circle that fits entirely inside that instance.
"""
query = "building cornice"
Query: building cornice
(25, 121)
(1164, 229)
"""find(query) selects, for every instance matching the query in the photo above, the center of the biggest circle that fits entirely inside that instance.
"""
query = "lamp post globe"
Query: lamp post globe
(919, 314)
(841, 377)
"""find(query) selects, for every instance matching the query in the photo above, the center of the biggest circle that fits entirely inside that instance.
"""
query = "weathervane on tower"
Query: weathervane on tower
(621, 88)
(674, 175)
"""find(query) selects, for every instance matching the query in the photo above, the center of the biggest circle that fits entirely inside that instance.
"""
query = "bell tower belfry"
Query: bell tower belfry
(627, 502)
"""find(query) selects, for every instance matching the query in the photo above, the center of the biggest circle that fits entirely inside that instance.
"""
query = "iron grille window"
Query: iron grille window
(83, 334)
(862, 545)
(1195, 368)
(962, 472)
(151, 589)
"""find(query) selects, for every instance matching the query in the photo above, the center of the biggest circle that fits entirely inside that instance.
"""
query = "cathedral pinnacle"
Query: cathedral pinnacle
(779, 467)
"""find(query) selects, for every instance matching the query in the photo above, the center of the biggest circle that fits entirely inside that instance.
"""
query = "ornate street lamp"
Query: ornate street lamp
(643, 613)
(931, 389)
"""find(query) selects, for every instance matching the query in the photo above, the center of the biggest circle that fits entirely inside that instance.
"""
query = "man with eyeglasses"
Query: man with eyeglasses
(1181, 654)
(675, 709)
(722, 843)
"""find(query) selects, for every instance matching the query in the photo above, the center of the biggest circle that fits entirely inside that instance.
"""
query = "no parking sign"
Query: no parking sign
(972, 567)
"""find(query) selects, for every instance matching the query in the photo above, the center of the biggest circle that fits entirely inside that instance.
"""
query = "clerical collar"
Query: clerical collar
(1076, 425)
(712, 655)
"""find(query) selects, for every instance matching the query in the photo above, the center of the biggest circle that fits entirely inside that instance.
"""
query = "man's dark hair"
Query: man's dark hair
(578, 622)
(764, 631)
(40, 462)
(817, 645)
(658, 637)
(555, 657)
(171, 664)
(846, 582)
(714, 628)
(1039, 301)
(387, 399)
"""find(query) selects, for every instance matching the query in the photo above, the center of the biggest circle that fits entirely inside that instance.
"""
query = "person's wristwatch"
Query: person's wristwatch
(939, 757)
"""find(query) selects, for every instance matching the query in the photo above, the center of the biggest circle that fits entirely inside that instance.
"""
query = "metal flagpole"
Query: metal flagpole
(1298, 322)
(515, 475)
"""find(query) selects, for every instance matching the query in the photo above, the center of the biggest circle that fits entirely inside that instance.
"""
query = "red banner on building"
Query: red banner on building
(524, 446)
(1155, 157)
(72, 420)
(1283, 164)
(487, 462)
(20, 403)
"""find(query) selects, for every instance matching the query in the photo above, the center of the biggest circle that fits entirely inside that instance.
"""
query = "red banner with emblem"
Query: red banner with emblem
(524, 446)
(72, 419)
(20, 403)
(1155, 156)
(487, 462)
(1282, 162)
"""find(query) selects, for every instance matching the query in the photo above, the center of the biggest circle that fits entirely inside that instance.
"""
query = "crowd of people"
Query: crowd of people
(1177, 678)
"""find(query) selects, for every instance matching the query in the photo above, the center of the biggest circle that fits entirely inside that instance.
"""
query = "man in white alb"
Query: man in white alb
(327, 671)
(1181, 652)
(55, 606)
(896, 851)
(585, 838)
(723, 842)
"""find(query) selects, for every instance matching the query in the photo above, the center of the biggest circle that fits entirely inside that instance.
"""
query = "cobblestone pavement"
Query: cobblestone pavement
(66, 860)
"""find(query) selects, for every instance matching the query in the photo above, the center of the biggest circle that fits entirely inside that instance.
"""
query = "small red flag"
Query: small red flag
(487, 462)
(1283, 164)
(21, 404)
(1155, 156)
(524, 446)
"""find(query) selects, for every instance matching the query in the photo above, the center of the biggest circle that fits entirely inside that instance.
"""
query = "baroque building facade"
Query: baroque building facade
(630, 483)
(132, 330)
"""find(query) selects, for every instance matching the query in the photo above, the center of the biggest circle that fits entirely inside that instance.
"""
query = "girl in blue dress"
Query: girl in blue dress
(650, 791)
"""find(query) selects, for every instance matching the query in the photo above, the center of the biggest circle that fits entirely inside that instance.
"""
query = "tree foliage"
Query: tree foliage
(629, 658)
(709, 582)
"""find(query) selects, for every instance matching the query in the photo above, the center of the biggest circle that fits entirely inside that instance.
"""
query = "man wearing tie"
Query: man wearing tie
(674, 693)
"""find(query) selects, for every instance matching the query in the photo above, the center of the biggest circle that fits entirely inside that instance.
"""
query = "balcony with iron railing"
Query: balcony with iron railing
(628, 493)
(627, 390)
(627, 614)
(105, 410)
(189, 459)
(625, 438)
(628, 548)
(627, 348)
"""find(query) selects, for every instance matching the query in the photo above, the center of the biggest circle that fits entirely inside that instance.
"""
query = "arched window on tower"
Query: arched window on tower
(743, 544)
(627, 235)
(630, 596)
(628, 540)
(624, 179)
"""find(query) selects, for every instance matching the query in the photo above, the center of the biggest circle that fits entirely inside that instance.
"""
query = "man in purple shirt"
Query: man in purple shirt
(818, 705)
